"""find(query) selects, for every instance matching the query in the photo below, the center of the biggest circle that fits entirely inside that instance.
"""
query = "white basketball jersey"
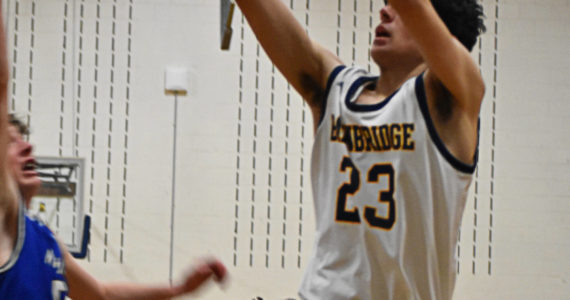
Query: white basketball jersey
(388, 195)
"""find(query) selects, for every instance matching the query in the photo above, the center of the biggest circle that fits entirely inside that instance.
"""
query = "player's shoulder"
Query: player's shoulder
(343, 72)
(346, 77)
(37, 229)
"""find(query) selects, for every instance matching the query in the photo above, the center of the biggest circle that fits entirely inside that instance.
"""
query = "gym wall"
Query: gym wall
(225, 169)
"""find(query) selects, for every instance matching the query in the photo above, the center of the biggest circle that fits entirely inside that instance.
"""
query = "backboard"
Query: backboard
(59, 202)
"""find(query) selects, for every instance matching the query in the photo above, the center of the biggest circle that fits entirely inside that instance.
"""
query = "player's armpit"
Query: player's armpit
(304, 63)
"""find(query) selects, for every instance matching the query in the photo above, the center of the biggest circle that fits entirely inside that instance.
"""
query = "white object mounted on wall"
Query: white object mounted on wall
(176, 81)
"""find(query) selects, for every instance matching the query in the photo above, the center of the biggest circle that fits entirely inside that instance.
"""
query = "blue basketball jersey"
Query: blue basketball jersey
(35, 269)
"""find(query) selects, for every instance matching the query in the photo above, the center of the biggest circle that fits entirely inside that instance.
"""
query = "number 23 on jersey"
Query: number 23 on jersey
(375, 173)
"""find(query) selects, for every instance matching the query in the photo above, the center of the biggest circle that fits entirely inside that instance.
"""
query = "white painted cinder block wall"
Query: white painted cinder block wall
(241, 189)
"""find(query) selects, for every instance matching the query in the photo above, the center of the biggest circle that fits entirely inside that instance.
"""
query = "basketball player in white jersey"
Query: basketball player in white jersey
(393, 154)
(32, 263)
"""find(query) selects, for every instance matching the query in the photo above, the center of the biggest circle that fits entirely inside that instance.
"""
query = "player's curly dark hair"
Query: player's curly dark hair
(463, 18)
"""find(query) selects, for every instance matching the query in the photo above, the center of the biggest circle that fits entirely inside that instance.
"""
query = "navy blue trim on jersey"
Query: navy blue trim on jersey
(330, 81)
(457, 164)
(365, 107)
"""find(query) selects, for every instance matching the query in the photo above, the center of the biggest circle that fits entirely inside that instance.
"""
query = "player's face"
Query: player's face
(22, 163)
(392, 42)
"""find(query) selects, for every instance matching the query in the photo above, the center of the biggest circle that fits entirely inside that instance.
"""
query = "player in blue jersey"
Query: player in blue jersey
(53, 263)
(33, 265)
(394, 154)
(36, 268)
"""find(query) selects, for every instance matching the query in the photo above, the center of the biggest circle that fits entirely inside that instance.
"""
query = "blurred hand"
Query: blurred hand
(202, 273)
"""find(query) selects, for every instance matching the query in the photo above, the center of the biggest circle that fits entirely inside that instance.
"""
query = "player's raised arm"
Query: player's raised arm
(3, 98)
(5, 190)
(304, 63)
(447, 58)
